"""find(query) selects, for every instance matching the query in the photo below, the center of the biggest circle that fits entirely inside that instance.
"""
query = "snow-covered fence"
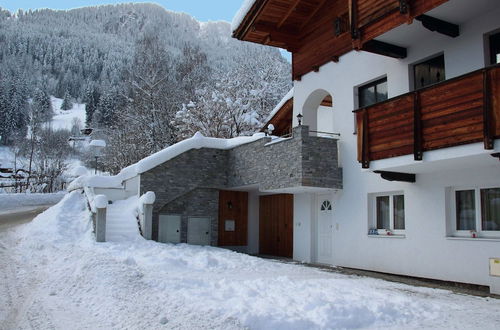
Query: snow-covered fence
(146, 214)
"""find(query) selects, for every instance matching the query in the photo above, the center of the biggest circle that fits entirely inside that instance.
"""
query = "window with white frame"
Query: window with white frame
(476, 212)
(388, 212)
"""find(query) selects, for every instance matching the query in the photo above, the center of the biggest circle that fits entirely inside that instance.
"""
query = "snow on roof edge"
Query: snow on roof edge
(285, 99)
(198, 141)
(241, 13)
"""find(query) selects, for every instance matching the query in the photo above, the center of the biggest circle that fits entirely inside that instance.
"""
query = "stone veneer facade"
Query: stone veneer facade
(189, 184)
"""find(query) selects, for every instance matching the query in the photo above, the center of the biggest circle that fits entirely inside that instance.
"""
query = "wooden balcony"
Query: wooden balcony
(458, 111)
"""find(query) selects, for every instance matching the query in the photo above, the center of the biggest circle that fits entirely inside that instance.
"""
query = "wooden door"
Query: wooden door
(276, 225)
(233, 218)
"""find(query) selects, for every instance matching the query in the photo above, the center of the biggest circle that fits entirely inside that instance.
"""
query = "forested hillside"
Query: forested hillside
(149, 77)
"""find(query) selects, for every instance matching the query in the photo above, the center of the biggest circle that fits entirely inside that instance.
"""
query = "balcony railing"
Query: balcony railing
(458, 111)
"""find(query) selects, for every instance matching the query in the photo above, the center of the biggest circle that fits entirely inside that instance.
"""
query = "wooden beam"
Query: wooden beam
(353, 19)
(396, 176)
(309, 18)
(488, 136)
(365, 153)
(417, 128)
(385, 49)
(288, 13)
(438, 25)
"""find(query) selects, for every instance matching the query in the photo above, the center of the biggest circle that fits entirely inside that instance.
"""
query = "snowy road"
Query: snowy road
(54, 276)
(22, 215)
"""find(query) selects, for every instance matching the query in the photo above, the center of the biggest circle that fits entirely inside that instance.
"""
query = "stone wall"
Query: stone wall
(201, 202)
(189, 183)
(302, 160)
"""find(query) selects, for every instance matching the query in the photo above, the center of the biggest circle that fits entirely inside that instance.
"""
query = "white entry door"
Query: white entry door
(169, 229)
(198, 231)
(325, 230)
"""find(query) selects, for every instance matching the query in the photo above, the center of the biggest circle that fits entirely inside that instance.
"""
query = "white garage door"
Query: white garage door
(198, 231)
(169, 230)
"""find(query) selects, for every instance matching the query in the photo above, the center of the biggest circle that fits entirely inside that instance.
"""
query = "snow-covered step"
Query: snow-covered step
(121, 224)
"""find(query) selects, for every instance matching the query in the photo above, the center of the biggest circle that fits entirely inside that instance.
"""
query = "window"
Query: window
(429, 72)
(476, 212)
(494, 41)
(389, 212)
(326, 206)
(372, 93)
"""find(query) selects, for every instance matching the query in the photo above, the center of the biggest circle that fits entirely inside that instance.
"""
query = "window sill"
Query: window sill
(458, 238)
(387, 236)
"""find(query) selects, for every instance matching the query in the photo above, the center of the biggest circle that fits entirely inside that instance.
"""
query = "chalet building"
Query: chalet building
(412, 87)
(384, 155)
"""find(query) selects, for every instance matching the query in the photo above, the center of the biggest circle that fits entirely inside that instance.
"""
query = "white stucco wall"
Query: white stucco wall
(253, 223)
(425, 251)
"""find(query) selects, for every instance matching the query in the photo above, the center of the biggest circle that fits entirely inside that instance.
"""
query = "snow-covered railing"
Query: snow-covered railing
(97, 205)
(146, 214)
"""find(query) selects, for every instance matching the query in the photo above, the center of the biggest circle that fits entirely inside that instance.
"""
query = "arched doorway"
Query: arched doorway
(316, 111)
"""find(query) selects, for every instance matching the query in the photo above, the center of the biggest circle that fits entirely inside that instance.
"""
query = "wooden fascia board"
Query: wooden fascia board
(249, 19)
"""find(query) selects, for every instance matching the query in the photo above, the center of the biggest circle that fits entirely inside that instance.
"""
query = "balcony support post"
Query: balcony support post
(417, 128)
(487, 112)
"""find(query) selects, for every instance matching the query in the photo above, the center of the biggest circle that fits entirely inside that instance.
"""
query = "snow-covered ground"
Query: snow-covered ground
(54, 276)
(6, 157)
(63, 119)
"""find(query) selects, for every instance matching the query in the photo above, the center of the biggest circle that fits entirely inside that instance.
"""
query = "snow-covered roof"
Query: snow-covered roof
(242, 12)
(98, 143)
(285, 99)
(198, 141)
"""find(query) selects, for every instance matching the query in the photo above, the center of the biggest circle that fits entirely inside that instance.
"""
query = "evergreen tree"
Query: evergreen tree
(42, 105)
(67, 104)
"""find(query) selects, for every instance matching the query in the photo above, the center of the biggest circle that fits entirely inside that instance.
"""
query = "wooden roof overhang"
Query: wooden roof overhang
(319, 31)
(282, 120)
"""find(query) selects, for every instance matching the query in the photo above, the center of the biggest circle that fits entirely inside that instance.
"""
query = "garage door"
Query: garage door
(198, 231)
(276, 225)
(169, 230)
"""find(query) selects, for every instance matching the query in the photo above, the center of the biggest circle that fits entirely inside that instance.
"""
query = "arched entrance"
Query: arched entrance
(314, 116)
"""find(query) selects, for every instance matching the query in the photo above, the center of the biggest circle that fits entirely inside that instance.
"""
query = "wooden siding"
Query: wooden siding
(320, 31)
(462, 110)
(276, 225)
(233, 205)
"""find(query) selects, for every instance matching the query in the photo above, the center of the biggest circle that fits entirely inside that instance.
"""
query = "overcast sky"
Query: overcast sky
(202, 10)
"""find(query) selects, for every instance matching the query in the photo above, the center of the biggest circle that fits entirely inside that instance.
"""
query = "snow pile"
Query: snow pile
(143, 284)
(241, 13)
(9, 202)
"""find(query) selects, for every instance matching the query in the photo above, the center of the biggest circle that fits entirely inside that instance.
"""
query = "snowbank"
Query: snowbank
(10, 202)
(141, 284)
(241, 13)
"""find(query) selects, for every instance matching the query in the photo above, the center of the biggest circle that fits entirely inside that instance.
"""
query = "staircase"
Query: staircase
(121, 224)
